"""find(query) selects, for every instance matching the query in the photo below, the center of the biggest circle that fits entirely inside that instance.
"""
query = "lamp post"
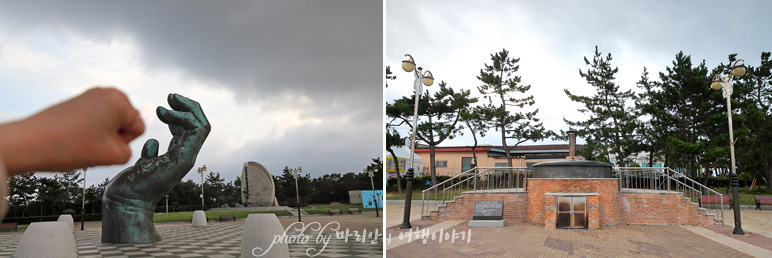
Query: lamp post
(83, 205)
(201, 171)
(371, 174)
(296, 173)
(427, 79)
(725, 81)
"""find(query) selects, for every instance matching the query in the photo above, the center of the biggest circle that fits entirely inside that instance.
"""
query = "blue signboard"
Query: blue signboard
(369, 202)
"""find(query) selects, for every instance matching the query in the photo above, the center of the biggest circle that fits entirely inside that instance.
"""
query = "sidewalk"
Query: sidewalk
(520, 239)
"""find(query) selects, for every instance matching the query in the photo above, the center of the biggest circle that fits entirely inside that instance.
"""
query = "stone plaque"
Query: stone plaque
(488, 210)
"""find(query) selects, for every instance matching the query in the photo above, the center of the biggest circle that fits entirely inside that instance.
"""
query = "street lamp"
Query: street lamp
(83, 205)
(427, 79)
(371, 174)
(296, 173)
(201, 171)
(725, 81)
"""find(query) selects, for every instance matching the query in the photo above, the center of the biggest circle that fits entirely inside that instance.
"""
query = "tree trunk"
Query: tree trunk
(433, 169)
(396, 165)
(769, 173)
(511, 179)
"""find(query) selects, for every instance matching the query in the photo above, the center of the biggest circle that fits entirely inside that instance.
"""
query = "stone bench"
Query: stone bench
(716, 199)
(332, 211)
(14, 226)
(227, 216)
(352, 210)
(762, 200)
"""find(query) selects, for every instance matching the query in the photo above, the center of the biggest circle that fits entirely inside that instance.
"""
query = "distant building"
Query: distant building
(451, 160)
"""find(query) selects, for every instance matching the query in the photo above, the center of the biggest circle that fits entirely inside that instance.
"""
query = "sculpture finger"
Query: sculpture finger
(182, 103)
(149, 151)
(173, 117)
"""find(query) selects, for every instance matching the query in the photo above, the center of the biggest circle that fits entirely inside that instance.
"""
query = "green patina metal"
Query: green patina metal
(130, 197)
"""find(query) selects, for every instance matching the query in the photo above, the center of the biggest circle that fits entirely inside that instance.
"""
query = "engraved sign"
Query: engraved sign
(488, 210)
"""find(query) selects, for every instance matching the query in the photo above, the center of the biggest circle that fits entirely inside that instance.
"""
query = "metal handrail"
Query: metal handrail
(449, 179)
(670, 174)
(457, 185)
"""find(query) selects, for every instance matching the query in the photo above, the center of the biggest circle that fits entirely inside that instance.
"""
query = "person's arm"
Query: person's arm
(92, 129)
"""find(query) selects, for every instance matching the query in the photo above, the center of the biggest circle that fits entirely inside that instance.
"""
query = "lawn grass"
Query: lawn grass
(746, 196)
(211, 215)
(324, 208)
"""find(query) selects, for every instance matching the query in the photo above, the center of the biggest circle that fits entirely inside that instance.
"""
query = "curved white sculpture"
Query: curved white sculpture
(47, 239)
(67, 218)
(261, 235)
(199, 218)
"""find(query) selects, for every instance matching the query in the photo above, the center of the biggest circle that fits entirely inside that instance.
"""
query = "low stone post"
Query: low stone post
(199, 218)
(47, 239)
(67, 218)
(262, 236)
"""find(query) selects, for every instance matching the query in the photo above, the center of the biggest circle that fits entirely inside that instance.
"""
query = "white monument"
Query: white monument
(258, 183)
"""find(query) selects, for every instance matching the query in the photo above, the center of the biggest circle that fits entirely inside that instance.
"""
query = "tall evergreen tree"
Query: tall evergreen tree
(685, 114)
(438, 113)
(755, 151)
(500, 84)
(393, 139)
(653, 131)
(475, 120)
(612, 123)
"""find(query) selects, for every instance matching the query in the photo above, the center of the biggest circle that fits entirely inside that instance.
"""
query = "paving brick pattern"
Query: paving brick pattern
(533, 240)
(215, 240)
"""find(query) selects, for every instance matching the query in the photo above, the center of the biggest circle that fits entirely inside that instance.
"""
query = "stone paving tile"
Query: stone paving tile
(519, 239)
(751, 238)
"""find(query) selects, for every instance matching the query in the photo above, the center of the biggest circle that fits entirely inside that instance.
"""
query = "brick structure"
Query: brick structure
(606, 205)
(463, 207)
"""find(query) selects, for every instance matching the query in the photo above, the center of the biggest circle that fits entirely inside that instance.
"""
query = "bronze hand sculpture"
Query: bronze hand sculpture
(130, 198)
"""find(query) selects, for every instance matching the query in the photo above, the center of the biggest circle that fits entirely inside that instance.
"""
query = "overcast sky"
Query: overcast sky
(283, 83)
(453, 39)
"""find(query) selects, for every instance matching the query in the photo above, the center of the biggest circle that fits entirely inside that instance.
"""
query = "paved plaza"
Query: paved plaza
(223, 239)
(453, 238)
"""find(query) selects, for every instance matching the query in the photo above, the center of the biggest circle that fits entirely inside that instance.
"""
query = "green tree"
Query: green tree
(653, 131)
(22, 190)
(438, 116)
(612, 123)
(500, 84)
(475, 120)
(214, 185)
(393, 139)
(754, 94)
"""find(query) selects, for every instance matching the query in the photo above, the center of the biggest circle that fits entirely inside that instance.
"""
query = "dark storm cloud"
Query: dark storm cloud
(326, 54)
(327, 50)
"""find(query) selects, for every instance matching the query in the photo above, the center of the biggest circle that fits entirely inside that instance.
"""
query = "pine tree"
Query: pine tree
(439, 114)
(499, 86)
(612, 124)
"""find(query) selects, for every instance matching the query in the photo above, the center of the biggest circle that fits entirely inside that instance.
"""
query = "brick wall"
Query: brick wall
(609, 207)
(660, 208)
(607, 188)
(463, 208)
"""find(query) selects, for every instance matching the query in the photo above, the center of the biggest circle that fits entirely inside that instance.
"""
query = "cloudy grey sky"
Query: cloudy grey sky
(453, 39)
(283, 83)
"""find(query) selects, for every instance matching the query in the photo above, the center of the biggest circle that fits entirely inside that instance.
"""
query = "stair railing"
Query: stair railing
(475, 179)
(649, 179)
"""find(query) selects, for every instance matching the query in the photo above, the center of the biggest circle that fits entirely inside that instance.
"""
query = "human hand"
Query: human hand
(130, 197)
(92, 129)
